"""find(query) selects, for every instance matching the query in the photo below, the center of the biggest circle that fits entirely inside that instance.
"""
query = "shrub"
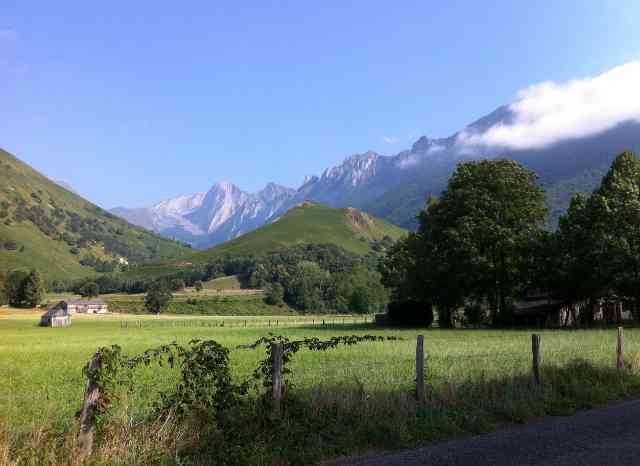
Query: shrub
(410, 312)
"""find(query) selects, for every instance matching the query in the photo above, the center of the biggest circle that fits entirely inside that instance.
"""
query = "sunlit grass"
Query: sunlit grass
(41, 368)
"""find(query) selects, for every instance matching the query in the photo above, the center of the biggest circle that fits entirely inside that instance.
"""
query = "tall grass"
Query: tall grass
(343, 401)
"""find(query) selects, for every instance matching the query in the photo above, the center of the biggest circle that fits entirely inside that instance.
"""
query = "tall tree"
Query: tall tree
(618, 200)
(474, 242)
(33, 289)
(158, 297)
(14, 287)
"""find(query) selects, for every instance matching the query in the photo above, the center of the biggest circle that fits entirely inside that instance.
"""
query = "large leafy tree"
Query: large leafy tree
(599, 238)
(617, 202)
(477, 237)
(474, 243)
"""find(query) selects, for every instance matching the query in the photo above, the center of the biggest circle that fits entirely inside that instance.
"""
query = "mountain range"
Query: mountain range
(391, 187)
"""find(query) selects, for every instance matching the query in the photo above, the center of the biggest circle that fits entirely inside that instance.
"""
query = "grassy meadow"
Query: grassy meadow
(353, 399)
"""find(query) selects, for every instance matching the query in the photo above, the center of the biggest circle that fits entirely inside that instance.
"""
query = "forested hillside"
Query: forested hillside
(49, 228)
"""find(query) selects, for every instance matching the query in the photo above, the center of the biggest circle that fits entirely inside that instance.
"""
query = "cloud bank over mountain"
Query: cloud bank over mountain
(568, 133)
(546, 113)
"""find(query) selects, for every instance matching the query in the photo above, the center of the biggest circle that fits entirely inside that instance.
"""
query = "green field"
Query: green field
(231, 282)
(359, 396)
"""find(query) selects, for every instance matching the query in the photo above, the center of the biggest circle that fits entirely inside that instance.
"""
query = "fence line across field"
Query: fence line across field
(93, 394)
(246, 323)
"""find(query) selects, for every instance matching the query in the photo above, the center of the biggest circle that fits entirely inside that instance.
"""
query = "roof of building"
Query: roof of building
(57, 310)
(86, 302)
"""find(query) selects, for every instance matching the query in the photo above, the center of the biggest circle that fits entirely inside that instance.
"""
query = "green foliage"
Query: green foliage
(322, 278)
(176, 284)
(601, 234)
(198, 285)
(157, 298)
(205, 377)
(14, 287)
(307, 286)
(22, 289)
(264, 371)
(360, 291)
(33, 289)
(90, 290)
(237, 305)
(473, 242)
(274, 294)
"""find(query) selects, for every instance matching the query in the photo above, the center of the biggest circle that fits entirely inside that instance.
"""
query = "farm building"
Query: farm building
(87, 306)
(56, 316)
(544, 310)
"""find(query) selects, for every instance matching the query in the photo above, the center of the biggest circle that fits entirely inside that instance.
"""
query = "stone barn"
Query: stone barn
(87, 306)
(56, 316)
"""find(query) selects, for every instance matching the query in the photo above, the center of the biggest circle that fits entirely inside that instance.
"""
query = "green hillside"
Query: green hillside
(309, 223)
(44, 226)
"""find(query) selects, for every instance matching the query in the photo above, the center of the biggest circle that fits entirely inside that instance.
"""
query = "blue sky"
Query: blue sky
(133, 102)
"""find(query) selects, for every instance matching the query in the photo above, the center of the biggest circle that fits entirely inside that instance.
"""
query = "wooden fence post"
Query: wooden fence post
(420, 392)
(92, 398)
(620, 359)
(535, 349)
(276, 370)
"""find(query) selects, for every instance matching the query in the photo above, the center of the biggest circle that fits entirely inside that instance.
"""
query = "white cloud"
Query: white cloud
(549, 112)
(390, 139)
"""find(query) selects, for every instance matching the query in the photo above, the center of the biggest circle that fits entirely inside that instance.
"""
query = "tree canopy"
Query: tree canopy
(157, 298)
(474, 242)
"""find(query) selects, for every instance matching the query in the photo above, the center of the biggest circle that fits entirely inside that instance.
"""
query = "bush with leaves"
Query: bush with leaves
(157, 298)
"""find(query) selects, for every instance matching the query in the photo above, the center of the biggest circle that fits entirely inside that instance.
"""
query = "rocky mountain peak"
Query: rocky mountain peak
(273, 191)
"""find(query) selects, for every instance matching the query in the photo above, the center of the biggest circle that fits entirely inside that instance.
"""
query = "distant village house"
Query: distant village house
(87, 306)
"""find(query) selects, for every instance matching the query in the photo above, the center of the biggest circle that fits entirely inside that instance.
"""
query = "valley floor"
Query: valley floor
(360, 396)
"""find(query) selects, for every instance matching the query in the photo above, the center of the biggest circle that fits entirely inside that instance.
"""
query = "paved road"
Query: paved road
(606, 436)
